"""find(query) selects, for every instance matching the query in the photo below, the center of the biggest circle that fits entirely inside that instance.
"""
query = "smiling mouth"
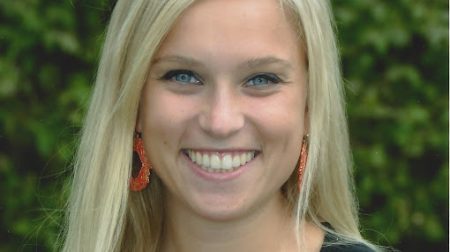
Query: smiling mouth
(220, 162)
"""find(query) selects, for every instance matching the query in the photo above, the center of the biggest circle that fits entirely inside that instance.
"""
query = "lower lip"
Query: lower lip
(217, 176)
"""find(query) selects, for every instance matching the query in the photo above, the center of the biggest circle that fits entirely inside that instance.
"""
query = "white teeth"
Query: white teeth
(197, 157)
(243, 157)
(206, 160)
(215, 162)
(227, 162)
(236, 161)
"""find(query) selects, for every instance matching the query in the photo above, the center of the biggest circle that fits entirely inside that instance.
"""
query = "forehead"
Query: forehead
(237, 27)
(243, 13)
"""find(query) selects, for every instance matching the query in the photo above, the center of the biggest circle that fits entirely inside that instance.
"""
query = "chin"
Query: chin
(219, 208)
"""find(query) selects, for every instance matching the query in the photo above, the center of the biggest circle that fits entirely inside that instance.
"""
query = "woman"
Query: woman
(235, 110)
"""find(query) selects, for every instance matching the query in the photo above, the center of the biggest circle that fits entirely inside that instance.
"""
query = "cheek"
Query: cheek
(161, 107)
(164, 117)
(280, 118)
(280, 126)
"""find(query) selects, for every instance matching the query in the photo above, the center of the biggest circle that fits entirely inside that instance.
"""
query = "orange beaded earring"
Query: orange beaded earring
(303, 158)
(143, 178)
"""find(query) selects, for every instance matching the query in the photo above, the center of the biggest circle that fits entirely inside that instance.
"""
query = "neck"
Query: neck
(269, 228)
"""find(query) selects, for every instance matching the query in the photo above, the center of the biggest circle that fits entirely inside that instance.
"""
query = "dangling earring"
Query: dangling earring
(303, 158)
(143, 178)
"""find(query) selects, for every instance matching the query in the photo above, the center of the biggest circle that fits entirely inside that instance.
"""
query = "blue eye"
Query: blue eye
(182, 76)
(262, 80)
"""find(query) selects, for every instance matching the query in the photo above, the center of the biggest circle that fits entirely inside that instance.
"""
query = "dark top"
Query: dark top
(330, 247)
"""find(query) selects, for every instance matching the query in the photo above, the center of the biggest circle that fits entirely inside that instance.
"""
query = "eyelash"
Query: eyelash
(171, 76)
(272, 79)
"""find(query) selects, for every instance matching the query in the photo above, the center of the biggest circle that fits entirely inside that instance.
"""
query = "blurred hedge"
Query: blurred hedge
(395, 65)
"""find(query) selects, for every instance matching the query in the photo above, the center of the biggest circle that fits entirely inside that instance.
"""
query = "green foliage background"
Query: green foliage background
(395, 66)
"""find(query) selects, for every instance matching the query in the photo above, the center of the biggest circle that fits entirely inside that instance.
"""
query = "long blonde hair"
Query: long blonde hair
(104, 216)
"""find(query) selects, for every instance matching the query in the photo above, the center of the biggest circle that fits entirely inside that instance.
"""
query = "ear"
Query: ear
(138, 125)
(306, 121)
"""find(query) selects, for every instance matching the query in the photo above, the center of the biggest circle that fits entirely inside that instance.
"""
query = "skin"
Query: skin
(217, 107)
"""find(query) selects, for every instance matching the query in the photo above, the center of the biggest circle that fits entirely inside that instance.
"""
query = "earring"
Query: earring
(143, 178)
(303, 158)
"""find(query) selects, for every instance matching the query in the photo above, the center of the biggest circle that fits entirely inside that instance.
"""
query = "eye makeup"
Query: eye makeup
(182, 76)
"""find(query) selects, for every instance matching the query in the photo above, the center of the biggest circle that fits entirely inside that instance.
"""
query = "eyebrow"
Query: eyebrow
(257, 62)
(178, 59)
(251, 63)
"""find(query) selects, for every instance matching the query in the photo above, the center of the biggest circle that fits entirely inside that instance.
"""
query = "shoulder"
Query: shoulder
(357, 247)
(331, 244)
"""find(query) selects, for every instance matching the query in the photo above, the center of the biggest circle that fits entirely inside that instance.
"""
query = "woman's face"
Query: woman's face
(223, 112)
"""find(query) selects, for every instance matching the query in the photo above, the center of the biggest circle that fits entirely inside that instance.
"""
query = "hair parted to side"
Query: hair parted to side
(104, 216)
(101, 216)
(327, 191)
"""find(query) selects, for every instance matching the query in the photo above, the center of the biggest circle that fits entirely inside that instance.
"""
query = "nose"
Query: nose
(222, 113)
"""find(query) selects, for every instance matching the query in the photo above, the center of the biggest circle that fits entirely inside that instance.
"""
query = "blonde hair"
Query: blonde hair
(104, 216)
